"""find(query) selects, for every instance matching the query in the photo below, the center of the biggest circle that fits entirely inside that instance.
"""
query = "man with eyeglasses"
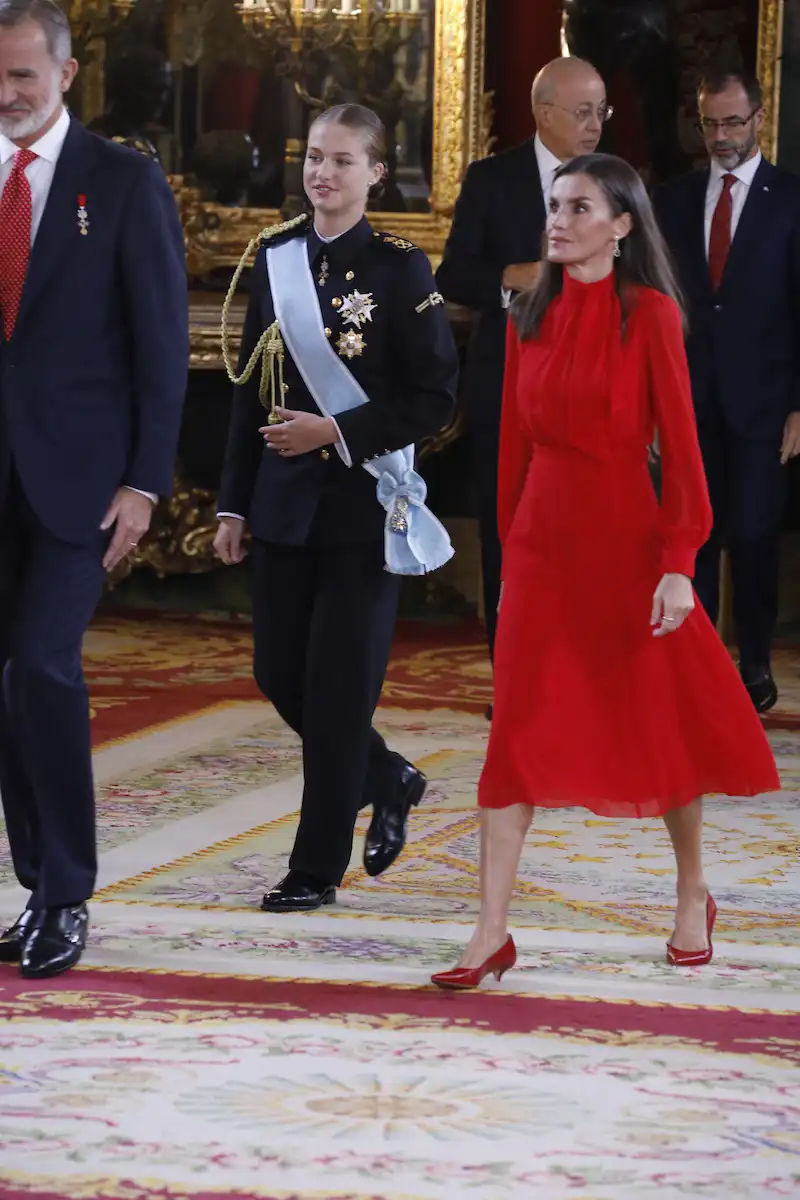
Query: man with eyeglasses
(734, 230)
(494, 250)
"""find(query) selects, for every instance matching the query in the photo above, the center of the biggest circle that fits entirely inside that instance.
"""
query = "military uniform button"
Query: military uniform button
(327, 332)
(350, 275)
(324, 455)
(336, 302)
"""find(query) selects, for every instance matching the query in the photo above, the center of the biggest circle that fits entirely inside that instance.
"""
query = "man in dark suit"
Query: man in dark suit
(494, 250)
(93, 362)
(734, 230)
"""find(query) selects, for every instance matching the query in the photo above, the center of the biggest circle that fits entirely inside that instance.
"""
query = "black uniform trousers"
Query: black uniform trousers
(747, 486)
(49, 590)
(485, 455)
(323, 621)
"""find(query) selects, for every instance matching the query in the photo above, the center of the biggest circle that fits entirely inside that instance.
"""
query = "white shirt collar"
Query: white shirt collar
(326, 240)
(746, 172)
(547, 162)
(47, 147)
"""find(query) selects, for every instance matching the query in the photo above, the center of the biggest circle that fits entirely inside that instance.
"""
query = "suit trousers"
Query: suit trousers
(747, 486)
(49, 590)
(485, 455)
(323, 621)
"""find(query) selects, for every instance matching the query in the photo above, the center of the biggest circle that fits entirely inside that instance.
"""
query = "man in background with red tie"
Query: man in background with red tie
(93, 363)
(734, 230)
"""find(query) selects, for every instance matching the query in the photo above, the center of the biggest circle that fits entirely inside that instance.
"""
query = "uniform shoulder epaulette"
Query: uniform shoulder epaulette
(295, 226)
(397, 243)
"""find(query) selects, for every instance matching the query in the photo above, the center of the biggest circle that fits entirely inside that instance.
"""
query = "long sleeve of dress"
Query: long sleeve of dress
(685, 508)
(515, 446)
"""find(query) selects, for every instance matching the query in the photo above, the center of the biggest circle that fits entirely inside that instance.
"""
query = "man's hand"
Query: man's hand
(228, 540)
(520, 277)
(131, 511)
(791, 438)
(299, 433)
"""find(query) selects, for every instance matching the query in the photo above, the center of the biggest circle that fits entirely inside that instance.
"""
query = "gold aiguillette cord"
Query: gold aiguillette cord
(269, 347)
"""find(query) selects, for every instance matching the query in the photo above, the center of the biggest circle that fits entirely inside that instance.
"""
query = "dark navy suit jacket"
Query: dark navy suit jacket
(499, 219)
(744, 340)
(92, 381)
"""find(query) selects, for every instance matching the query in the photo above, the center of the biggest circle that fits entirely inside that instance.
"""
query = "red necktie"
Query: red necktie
(15, 238)
(719, 243)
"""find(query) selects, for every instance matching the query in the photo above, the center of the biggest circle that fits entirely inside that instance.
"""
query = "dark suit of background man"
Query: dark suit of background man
(494, 250)
(93, 362)
(735, 234)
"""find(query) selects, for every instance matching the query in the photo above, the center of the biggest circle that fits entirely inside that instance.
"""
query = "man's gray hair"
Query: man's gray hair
(53, 20)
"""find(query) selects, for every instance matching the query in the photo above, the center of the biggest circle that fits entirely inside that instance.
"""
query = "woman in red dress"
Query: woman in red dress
(612, 690)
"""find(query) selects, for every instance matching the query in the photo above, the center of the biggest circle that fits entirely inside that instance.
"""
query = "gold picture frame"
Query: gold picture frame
(216, 235)
(768, 69)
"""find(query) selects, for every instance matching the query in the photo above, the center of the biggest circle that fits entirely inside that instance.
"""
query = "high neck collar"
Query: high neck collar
(578, 287)
(343, 246)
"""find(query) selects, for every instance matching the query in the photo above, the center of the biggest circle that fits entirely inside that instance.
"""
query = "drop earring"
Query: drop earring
(617, 250)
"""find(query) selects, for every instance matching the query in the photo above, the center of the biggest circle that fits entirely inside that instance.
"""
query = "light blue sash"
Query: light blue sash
(415, 542)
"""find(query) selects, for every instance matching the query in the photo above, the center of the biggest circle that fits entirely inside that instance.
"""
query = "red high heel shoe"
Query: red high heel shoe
(695, 958)
(461, 979)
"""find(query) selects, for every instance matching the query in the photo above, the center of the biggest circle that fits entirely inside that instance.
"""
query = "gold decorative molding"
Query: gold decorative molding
(768, 67)
(181, 536)
(216, 235)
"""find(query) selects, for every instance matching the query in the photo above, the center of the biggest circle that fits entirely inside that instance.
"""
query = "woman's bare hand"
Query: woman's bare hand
(672, 603)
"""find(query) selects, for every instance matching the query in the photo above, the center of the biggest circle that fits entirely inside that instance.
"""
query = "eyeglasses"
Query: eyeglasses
(731, 125)
(584, 112)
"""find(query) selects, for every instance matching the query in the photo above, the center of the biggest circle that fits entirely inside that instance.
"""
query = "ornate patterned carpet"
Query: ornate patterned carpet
(206, 1051)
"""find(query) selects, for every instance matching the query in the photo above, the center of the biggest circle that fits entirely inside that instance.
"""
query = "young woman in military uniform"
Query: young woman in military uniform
(347, 360)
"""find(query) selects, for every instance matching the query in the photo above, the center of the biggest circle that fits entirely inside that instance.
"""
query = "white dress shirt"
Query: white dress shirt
(40, 174)
(548, 164)
(41, 171)
(238, 516)
(745, 174)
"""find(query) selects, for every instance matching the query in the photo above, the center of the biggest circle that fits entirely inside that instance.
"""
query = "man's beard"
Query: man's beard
(732, 157)
(16, 128)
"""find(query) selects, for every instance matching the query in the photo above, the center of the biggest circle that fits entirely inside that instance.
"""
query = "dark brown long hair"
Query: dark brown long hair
(644, 259)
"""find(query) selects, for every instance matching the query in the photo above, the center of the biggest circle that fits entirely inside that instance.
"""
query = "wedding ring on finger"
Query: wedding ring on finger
(668, 620)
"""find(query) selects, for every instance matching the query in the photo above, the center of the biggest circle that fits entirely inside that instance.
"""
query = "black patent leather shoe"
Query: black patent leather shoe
(763, 692)
(386, 835)
(12, 941)
(299, 893)
(56, 941)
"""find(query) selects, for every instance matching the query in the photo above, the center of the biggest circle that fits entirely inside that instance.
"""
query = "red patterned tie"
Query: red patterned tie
(719, 243)
(15, 238)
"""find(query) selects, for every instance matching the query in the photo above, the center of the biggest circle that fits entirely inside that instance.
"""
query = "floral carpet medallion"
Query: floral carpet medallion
(206, 1051)
(178, 1086)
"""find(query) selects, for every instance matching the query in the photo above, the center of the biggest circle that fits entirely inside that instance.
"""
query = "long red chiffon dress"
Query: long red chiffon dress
(589, 708)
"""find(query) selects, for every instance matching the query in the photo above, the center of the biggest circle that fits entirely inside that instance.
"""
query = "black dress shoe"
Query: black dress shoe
(386, 835)
(762, 692)
(12, 941)
(55, 942)
(299, 893)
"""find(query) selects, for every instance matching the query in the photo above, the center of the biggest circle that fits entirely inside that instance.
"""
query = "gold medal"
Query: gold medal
(350, 344)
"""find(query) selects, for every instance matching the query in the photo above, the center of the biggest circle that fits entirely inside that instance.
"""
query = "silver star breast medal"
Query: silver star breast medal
(357, 308)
